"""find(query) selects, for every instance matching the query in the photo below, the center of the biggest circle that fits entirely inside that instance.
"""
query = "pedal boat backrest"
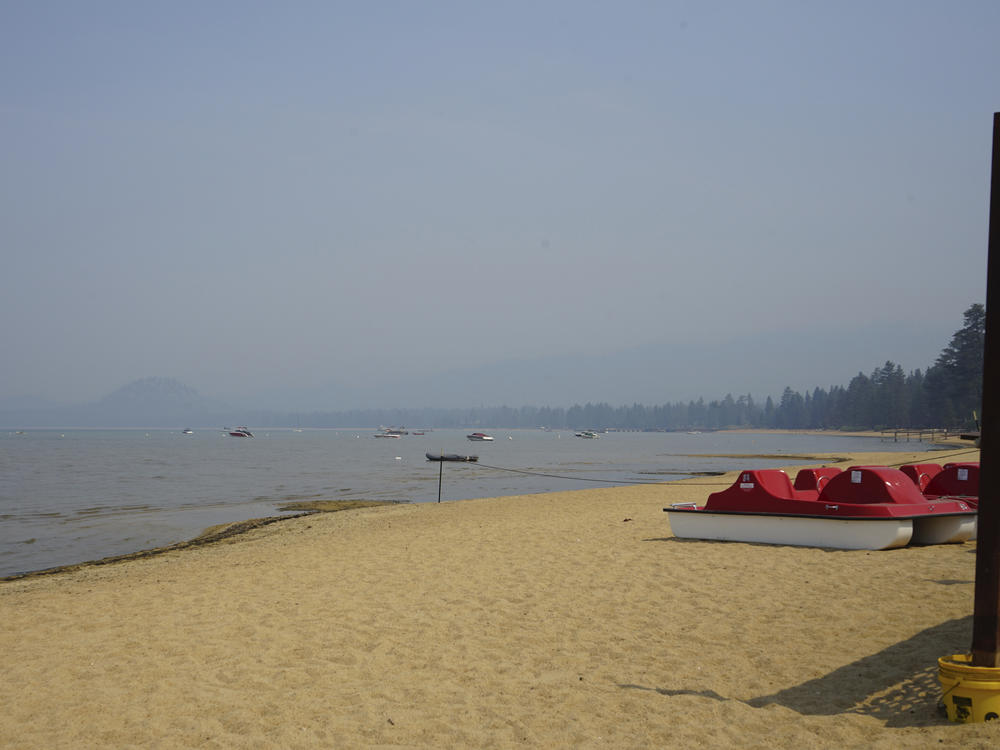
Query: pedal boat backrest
(862, 485)
(957, 480)
(755, 490)
(921, 474)
(814, 479)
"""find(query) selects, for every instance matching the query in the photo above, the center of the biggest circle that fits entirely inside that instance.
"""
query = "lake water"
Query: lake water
(74, 495)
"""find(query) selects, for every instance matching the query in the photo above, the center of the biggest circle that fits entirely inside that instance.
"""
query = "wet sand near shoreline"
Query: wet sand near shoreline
(552, 620)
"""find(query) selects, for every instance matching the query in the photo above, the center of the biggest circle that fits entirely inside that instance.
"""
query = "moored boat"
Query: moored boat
(450, 457)
(240, 432)
(480, 437)
(863, 507)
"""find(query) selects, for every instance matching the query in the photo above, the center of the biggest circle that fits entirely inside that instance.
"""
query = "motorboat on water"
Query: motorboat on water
(240, 432)
(862, 507)
(450, 457)
(187, 431)
(588, 434)
(480, 437)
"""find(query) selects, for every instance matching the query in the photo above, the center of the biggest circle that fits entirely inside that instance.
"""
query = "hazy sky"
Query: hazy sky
(249, 196)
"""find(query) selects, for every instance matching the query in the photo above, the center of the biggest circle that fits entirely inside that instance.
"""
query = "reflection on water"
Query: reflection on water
(68, 496)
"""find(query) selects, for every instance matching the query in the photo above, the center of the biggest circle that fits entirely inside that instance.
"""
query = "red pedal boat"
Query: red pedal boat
(863, 507)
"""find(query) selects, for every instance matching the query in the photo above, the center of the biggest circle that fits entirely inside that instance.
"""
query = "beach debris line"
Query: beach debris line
(218, 533)
(333, 506)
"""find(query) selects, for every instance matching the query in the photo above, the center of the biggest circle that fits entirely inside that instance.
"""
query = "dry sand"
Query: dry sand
(570, 619)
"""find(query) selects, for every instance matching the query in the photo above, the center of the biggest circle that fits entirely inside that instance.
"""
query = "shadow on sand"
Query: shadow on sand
(898, 686)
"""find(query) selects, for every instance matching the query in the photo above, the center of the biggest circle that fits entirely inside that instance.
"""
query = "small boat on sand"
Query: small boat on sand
(863, 507)
(480, 437)
(450, 457)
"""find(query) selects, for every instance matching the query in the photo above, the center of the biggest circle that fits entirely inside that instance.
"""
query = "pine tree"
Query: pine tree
(954, 384)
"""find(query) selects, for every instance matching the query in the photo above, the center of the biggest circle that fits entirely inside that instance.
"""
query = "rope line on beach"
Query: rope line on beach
(662, 482)
(559, 476)
(576, 479)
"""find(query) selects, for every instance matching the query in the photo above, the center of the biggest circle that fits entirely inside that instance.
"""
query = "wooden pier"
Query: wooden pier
(926, 435)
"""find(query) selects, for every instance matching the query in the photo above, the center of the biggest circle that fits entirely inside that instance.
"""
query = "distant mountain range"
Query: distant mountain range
(149, 402)
(761, 365)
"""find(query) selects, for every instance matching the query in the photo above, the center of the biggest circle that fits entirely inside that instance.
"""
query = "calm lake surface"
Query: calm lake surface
(67, 496)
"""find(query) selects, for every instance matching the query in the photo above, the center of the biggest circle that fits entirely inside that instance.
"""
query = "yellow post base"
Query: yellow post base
(971, 694)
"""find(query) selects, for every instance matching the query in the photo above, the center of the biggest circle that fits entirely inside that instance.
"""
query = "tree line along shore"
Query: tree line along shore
(946, 395)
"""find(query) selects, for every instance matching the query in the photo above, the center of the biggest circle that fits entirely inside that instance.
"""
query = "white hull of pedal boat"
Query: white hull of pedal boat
(943, 529)
(798, 531)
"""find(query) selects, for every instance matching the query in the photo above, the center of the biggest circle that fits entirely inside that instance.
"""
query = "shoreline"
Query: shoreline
(222, 532)
(946, 438)
(211, 535)
(570, 618)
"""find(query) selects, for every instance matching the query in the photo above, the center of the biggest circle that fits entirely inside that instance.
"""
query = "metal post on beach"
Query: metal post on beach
(440, 474)
(986, 613)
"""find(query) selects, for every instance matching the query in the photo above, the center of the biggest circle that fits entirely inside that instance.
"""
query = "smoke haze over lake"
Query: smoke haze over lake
(323, 202)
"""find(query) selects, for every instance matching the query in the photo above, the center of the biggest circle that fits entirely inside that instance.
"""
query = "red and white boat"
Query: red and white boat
(954, 481)
(863, 507)
(480, 437)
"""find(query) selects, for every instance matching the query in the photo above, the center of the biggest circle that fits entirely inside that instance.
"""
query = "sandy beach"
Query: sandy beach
(570, 619)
